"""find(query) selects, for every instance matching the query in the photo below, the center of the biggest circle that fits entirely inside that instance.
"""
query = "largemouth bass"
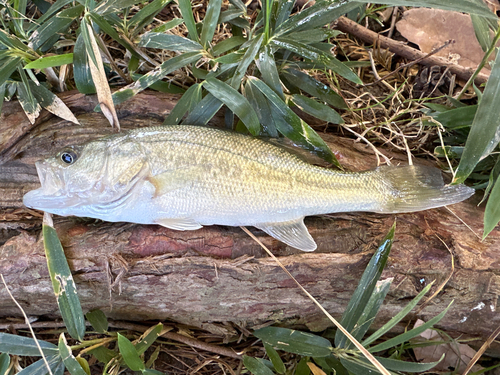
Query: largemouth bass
(184, 177)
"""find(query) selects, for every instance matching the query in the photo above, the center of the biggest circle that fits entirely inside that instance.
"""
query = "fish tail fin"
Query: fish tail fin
(417, 188)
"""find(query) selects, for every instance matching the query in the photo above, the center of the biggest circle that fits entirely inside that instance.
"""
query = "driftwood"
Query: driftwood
(217, 277)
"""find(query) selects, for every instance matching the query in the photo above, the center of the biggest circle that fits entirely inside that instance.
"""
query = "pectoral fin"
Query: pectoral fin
(176, 179)
(293, 233)
(179, 224)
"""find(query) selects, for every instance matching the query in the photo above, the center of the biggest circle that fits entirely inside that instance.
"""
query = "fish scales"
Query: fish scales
(183, 177)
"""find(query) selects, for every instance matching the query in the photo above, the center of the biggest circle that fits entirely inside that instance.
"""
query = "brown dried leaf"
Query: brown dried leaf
(101, 84)
(431, 28)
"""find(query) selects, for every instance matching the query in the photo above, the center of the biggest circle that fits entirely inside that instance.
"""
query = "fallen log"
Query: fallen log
(217, 277)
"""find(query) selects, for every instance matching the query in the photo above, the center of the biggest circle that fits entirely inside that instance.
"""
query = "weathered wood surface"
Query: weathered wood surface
(218, 277)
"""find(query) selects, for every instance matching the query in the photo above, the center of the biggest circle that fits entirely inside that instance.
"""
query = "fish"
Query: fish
(184, 177)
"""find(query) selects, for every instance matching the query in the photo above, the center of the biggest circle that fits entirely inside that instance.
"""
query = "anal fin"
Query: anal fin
(179, 224)
(293, 233)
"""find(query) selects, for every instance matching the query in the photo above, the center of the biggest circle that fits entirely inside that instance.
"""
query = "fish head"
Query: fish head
(95, 174)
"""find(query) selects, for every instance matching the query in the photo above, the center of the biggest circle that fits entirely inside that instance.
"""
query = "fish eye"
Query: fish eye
(68, 156)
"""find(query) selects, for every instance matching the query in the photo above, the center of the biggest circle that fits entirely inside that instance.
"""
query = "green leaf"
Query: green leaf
(235, 102)
(68, 358)
(162, 86)
(187, 15)
(146, 14)
(456, 118)
(230, 58)
(148, 338)
(63, 284)
(256, 366)
(359, 367)
(168, 25)
(317, 55)
(103, 354)
(262, 107)
(248, 57)
(302, 367)
(12, 42)
(210, 22)
(396, 318)
(482, 31)
(365, 288)
(315, 88)
(296, 342)
(130, 355)
(267, 66)
(54, 8)
(114, 6)
(371, 309)
(203, 111)
(230, 14)
(315, 35)
(185, 104)
(283, 11)
(169, 42)
(98, 320)
(4, 363)
(155, 75)
(39, 367)
(464, 6)
(25, 346)
(318, 110)
(410, 334)
(110, 30)
(2, 95)
(291, 126)
(485, 131)
(26, 98)
(50, 61)
(81, 69)
(318, 15)
(52, 103)
(227, 45)
(54, 25)
(397, 365)
(492, 211)
(275, 359)
(7, 67)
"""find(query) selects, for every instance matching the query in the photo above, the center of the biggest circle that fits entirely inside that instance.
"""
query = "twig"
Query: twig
(29, 325)
(346, 25)
(481, 351)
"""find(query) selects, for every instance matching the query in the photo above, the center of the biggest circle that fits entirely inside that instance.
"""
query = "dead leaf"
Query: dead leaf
(315, 369)
(457, 356)
(431, 28)
(101, 83)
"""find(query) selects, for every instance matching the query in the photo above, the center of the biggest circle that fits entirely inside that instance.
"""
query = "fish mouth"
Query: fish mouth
(51, 195)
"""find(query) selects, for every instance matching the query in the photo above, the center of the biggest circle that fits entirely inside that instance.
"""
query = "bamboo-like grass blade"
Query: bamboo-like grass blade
(456, 118)
(114, 6)
(267, 66)
(26, 98)
(7, 67)
(235, 102)
(55, 362)
(275, 358)
(185, 104)
(204, 111)
(68, 358)
(4, 363)
(316, 109)
(187, 15)
(492, 211)
(155, 75)
(482, 31)
(25, 346)
(168, 25)
(365, 289)
(296, 342)
(292, 126)
(148, 338)
(169, 42)
(410, 334)
(50, 61)
(210, 22)
(63, 284)
(81, 69)
(52, 103)
(248, 57)
(485, 131)
(145, 16)
(256, 366)
(129, 354)
(314, 88)
(98, 320)
(262, 107)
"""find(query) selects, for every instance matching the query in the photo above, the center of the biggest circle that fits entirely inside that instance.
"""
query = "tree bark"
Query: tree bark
(217, 277)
